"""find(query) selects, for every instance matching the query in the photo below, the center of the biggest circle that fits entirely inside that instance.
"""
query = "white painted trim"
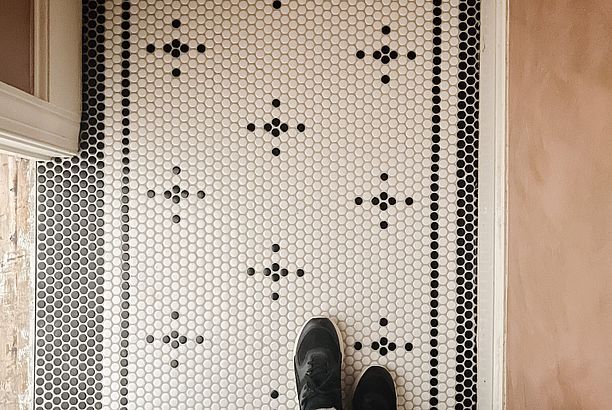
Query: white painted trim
(34, 128)
(492, 207)
(65, 55)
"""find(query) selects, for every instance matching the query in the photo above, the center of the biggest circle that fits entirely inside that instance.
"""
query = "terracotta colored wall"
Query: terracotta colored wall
(15, 44)
(559, 352)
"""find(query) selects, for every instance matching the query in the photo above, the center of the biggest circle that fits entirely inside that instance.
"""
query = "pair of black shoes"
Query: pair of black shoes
(318, 361)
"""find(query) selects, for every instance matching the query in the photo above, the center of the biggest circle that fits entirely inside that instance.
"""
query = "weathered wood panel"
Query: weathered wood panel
(17, 239)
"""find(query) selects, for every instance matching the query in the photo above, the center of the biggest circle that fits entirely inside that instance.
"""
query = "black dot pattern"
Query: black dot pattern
(126, 6)
(176, 194)
(69, 268)
(383, 345)
(434, 217)
(276, 127)
(176, 48)
(384, 54)
(383, 201)
(467, 194)
(175, 340)
(275, 274)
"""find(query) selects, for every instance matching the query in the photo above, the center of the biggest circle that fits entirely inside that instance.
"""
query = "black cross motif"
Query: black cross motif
(385, 55)
(176, 48)
(275, 272)
(176, 194)
(174, 339)
(276, 127)
(383, 201)
(384, 345)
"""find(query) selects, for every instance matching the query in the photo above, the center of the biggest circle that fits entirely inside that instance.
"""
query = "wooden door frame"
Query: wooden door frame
(492, 206)
(46, 124)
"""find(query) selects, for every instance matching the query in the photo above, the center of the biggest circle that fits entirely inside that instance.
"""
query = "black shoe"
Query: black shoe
(375, 390)
(317, 360)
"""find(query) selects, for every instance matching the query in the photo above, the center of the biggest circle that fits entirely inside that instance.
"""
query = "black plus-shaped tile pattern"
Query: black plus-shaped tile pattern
(385, 54)
(275, 272)
(175, 194)
(174, 339)
(383, 345)
(176, 48)
(383, 201)
(275, 127)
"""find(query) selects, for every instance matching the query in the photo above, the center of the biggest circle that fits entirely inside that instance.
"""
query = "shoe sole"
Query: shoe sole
(363, 372)
(338, 334)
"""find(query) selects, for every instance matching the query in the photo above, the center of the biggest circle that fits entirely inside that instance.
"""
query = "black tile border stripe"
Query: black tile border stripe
(125, 190)
(467, 199)
(435, 160)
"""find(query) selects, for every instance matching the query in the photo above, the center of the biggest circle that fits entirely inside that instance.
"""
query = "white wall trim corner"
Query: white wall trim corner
(492, 240)
(47, 124)
(33, 128)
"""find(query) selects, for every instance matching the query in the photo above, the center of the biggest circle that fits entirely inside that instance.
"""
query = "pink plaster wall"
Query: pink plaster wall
(559, 340)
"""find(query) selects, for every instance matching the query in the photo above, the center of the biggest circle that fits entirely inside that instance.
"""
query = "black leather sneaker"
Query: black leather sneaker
(375, 390)
(317, 361)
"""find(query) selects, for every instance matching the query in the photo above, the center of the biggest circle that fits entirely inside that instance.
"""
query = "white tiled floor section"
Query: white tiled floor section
(212, 203)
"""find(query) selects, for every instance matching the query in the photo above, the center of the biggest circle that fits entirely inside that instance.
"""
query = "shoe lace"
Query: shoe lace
(317, 379)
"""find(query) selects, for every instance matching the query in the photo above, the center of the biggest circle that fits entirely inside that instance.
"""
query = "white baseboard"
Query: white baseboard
(492, 207)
